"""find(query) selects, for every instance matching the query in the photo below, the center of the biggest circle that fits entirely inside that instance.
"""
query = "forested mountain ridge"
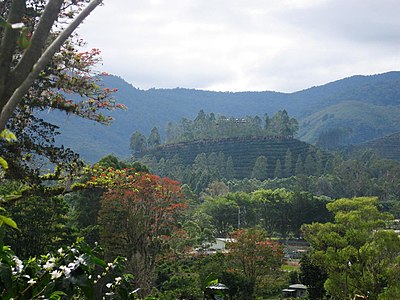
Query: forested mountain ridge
(157, 107)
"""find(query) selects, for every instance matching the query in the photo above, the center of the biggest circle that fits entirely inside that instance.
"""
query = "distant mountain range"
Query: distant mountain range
(367, 105)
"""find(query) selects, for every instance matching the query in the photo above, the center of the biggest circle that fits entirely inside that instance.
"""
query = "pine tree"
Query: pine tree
(230, 168)
(260, 170)
(309, 165)
(154, 138)
(278, 169)
(299, 166)
(288, 163)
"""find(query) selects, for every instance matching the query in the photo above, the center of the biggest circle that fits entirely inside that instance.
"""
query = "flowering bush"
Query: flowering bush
(72, 272)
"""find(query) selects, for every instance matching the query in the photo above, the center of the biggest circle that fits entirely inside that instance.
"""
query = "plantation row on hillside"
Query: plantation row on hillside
(245, 151)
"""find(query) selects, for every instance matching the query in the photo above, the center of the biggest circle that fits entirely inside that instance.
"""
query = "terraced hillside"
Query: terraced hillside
(244, 151)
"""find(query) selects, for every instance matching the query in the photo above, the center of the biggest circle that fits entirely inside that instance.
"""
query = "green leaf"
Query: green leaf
(8, 221)
(3, 163)
(57, 295)
(4, 23)
(5, 275)
(99, 262)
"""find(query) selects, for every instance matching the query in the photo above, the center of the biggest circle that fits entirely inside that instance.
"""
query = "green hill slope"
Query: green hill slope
(244, 152)
(364, 121)
(387, 147)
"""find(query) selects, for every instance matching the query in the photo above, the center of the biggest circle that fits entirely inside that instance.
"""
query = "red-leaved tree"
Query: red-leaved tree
(254, 254)
(137, 217)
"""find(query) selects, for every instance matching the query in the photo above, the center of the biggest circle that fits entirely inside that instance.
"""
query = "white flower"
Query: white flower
(18, 264)
(31, 281)
(80, 260)
(60, 251)
(56, 274)
(73, 265)
(118, 279)
(65, 270)
(49, 265)
(108, 285)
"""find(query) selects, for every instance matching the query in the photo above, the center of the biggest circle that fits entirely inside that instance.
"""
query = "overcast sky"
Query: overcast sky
(244, 45)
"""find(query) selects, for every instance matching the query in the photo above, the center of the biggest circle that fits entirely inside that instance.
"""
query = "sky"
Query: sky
(244, 45)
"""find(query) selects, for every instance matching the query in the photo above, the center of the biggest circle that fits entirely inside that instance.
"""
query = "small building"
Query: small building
(295, 291)
(220, 244)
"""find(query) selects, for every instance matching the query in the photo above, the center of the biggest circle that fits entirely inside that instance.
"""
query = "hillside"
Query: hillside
(243, 150)
(156, 107)
(365, 121)
(387, 147)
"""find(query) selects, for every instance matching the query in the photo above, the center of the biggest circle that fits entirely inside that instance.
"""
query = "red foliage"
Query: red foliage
(254, 253)
(145, 200)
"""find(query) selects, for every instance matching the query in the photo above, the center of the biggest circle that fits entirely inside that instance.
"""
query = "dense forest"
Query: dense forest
(224, 208)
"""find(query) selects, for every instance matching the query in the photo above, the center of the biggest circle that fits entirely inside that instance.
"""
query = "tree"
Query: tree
(309, 165)
(68, 71)
(229, 168)
(275, 210)
(260, 169)
(299, 169)
(42, 223)
(288, 163)
(253, 254)
(137, 217)
(154, 138)
(313, 277)
(356, 251)
(278, 169)
(224, 213)
(32, 53)
(138, 142)
(84, 204)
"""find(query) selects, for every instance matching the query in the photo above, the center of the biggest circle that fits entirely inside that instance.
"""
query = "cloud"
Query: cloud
(282, 45)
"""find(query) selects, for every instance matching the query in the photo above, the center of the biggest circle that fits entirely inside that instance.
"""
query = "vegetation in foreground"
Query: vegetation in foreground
(114, 230)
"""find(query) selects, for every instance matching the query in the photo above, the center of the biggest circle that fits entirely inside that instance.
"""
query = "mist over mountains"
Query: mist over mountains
(367, 106)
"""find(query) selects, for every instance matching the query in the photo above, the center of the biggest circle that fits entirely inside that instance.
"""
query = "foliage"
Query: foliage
(254, 254)
(72, 272)
(201, 162)
(29, 43)
(278, 211)
(260, 170)
(44, 68)
(208, 126)
(42, 223)
(84, 201)
(313, 277)
(356, 250)
(137, 218)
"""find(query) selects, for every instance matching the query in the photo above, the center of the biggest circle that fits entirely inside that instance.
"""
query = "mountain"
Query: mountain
(157, 107)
